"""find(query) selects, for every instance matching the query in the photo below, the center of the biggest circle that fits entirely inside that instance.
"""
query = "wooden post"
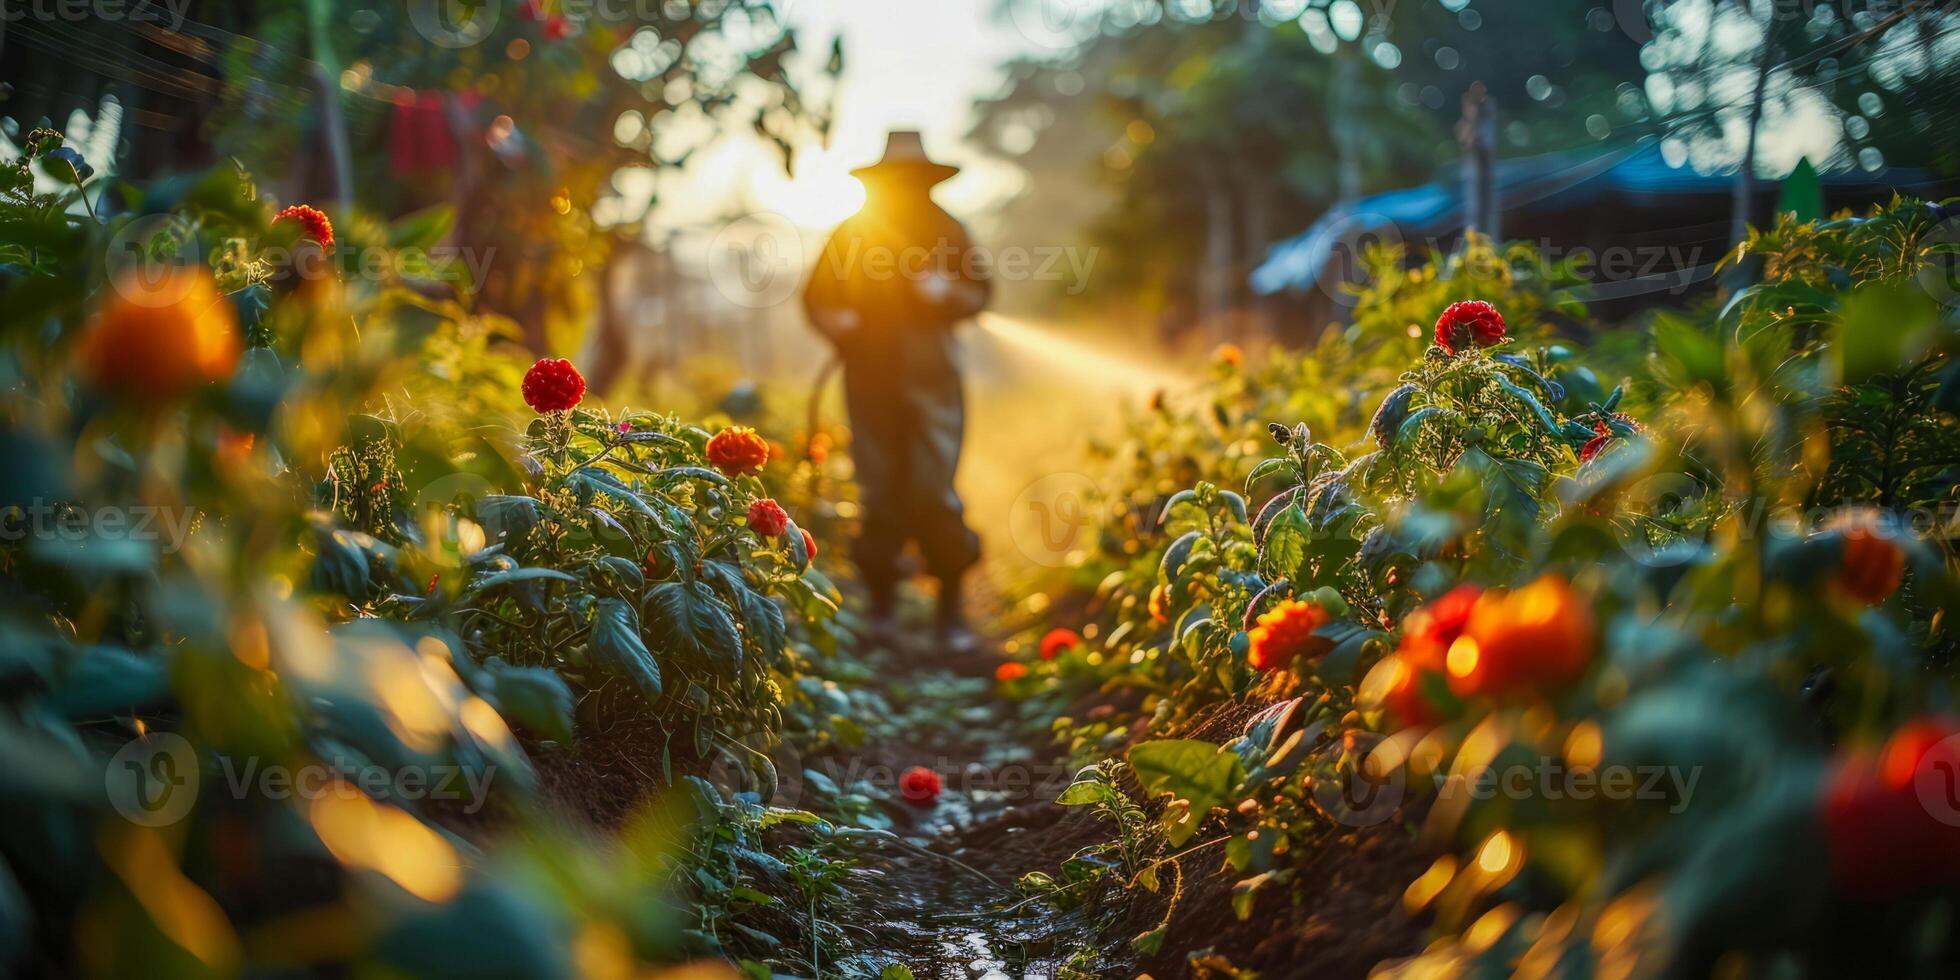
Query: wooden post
(1477, 134)
(326, 75)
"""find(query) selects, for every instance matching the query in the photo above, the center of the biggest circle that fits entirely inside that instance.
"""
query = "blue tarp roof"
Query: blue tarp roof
(1436, 209)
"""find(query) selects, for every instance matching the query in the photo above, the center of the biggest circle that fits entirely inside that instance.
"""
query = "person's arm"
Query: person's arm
(964, 287)
(826, 301)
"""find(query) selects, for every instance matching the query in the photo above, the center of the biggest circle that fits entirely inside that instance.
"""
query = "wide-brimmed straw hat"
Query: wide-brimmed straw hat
(905, 152)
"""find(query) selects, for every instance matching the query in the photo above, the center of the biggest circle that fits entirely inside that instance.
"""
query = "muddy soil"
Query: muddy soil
(949, 909)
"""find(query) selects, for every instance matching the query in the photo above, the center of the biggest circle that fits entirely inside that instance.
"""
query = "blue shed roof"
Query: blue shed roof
(1561, 180)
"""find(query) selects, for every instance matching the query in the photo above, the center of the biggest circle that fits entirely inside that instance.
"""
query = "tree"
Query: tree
(1225, 126)
(1857, 78)
(515, 113)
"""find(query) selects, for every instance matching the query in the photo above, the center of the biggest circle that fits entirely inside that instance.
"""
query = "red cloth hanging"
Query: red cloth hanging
(420, 138)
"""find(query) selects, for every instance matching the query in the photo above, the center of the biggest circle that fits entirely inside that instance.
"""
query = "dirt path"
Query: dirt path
(939, 892)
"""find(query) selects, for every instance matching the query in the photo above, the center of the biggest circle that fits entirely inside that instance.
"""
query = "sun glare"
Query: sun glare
(822, 194)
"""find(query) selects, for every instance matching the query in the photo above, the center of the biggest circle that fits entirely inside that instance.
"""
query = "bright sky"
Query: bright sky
(908, 64)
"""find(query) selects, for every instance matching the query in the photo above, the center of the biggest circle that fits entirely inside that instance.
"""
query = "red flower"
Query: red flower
(809, 544)
(1467, 323)
(1885, 835)
(557, 27)
(1013, 670)
(738, 450)
(1398, 683)
(767, 518)
(1598, 442)
(312, 223)
(1160, 603)
(1286, 632)
(1058, 640)
(920, 786)
(1874, 564)
(1602, 434)
(553, 385)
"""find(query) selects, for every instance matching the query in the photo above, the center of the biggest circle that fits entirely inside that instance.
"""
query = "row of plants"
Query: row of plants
(322, 599)
(1615, 658)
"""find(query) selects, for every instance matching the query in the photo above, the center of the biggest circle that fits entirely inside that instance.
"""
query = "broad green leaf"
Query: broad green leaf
(535, 697)
(687, 616)
(422, 229)
(1187, 769)
(496, 579)
(507, 519)
(616, 642)
(1288, 539)
(1883, 329)
(1511, 505)
(1176, 555)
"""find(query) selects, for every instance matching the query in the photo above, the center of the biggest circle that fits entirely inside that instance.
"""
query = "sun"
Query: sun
(822, 194)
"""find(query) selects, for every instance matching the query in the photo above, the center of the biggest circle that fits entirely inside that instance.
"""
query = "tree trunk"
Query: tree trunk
(1214, 278)
(1256, 212)
(1339, 113)
(326, 75)
(1745, 175)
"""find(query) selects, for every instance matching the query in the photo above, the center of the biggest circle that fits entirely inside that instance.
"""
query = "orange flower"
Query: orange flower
(1874, 564)
(157, 337)
(1286, 632)
(1013, 670)
(1160, 603)
(1228, 354)
(1058, 640)
(737, 450)
(1538, 637)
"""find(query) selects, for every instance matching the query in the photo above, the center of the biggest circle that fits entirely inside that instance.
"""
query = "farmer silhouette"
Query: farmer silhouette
(890, 285)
